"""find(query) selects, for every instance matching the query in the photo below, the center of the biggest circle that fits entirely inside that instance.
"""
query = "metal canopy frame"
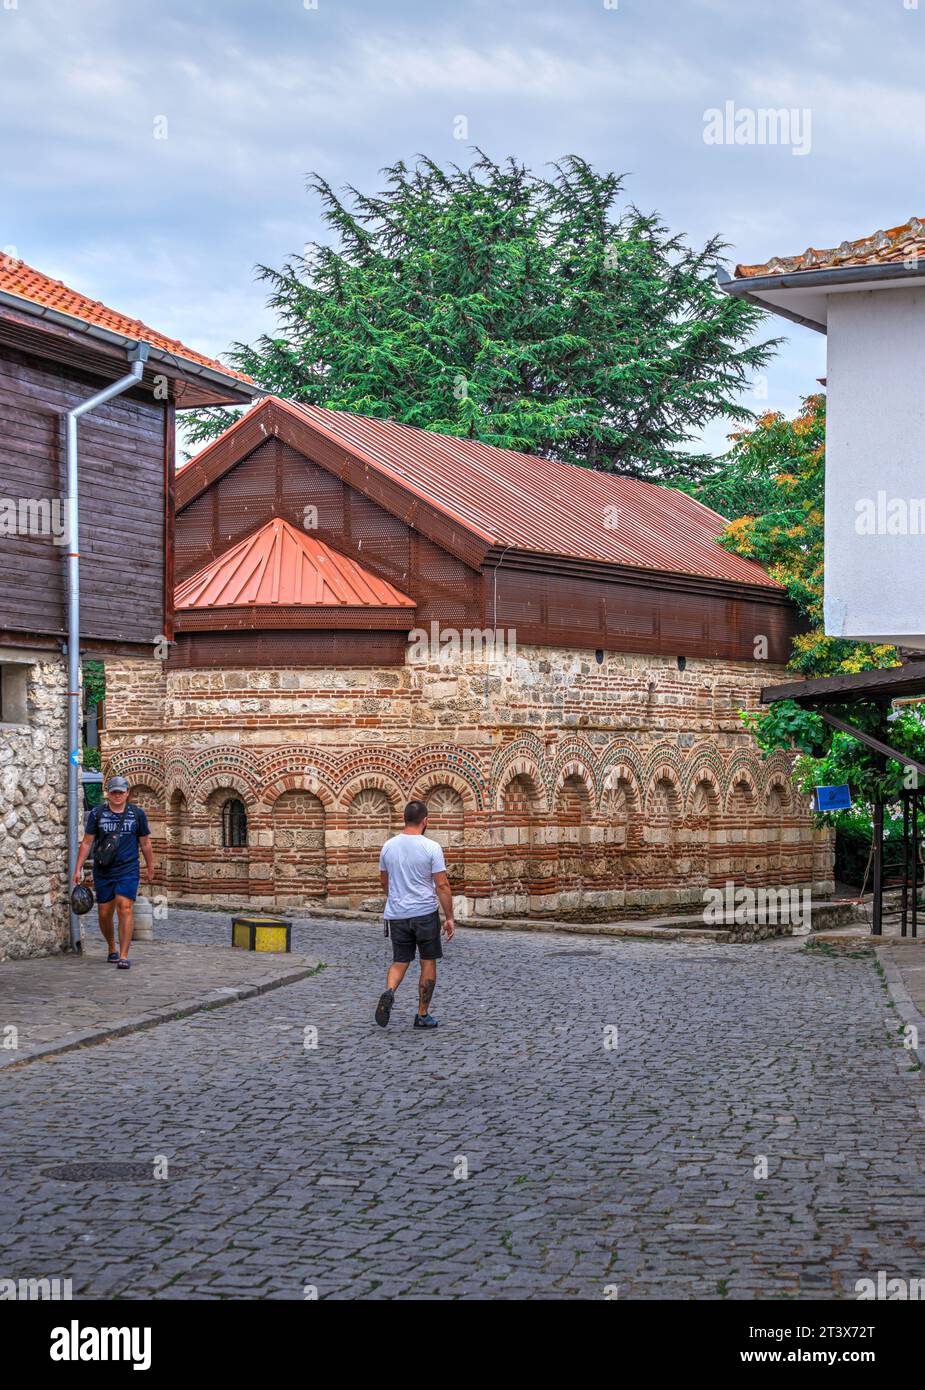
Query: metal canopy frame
(877, 689)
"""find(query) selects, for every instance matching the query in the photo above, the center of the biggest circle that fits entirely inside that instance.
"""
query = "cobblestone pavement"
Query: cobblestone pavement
(589, 1167)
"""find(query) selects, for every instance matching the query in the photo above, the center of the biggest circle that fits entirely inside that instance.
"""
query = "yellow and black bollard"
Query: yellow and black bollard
(257, 931)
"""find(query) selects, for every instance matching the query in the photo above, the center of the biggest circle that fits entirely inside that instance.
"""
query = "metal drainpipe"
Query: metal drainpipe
(137, 355)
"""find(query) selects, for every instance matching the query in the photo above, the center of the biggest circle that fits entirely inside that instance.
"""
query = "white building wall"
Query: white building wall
(875, 467)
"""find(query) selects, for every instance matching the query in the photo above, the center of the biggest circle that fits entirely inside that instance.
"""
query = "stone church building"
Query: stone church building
(553, 658)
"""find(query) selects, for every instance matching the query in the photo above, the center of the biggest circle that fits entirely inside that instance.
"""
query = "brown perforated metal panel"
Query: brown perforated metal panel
(276, 649)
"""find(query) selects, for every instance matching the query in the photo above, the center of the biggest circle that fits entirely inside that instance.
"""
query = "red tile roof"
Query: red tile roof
(20, 279)
(280, 565)
(903, 243)
(536, 504)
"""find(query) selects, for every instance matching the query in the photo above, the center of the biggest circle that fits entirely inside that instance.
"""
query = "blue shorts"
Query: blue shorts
(106, 888)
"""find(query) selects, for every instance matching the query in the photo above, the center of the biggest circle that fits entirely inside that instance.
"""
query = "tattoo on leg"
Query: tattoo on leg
(426, 993)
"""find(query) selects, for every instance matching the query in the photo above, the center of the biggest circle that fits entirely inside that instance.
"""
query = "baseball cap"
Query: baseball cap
(118, 784)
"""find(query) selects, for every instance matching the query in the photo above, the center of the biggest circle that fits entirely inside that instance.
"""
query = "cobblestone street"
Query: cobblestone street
(336, 1166)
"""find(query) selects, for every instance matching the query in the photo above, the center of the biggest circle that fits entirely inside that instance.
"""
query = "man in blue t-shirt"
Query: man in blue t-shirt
(116, 885)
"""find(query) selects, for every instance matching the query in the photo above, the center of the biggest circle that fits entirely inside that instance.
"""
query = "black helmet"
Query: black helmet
(81, 899)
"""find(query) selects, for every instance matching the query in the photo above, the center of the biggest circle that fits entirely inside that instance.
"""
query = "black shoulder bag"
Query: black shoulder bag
(107, 846)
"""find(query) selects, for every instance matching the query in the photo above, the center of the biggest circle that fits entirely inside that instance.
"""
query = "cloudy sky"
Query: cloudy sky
(252, 96)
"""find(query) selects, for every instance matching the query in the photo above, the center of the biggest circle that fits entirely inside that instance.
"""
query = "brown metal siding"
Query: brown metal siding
(623, 616)
(122, 463)
(232, 649)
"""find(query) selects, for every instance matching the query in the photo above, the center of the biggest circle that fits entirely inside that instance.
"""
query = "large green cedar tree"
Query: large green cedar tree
(512, 307)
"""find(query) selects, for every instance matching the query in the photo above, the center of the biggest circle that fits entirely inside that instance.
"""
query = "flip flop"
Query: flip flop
(112, 957)
(123, 964)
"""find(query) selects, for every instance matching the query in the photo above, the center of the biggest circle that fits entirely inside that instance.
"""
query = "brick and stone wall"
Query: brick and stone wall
(33, 812)
(558, 784)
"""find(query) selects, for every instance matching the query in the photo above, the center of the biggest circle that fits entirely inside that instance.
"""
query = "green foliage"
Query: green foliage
(499, 304)
(94, 682)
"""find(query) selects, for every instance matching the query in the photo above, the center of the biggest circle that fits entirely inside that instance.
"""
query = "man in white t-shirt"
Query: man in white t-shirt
(413, 877)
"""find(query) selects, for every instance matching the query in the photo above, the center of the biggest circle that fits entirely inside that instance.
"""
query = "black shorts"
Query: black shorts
(421, 932)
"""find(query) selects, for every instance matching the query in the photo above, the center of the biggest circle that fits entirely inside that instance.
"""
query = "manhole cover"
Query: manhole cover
(107, 1172)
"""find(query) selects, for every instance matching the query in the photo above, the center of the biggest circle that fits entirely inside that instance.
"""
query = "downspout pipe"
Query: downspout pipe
(137, 355)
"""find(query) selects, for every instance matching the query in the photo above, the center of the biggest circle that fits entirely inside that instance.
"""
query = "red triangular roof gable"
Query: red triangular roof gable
(278, 564)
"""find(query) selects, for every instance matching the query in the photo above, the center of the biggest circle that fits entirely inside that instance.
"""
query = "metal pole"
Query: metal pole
(905, 897)
(916, 799)
(878, 869)
(137, 356)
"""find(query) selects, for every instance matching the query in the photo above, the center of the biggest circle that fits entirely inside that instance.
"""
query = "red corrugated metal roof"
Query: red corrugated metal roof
(537, 504)
(20, 279)
(280, 565)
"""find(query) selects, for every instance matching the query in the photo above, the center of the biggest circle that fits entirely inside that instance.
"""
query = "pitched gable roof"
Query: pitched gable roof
(26, 283)
(500, 499)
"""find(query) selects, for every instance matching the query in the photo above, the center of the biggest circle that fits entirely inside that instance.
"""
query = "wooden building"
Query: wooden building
(554, 658)
(58, 348)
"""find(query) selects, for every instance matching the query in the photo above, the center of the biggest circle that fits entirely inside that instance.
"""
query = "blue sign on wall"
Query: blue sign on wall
(832, 799)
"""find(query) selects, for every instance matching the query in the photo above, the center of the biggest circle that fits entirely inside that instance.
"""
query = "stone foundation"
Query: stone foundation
(33, 811)
(557, 784)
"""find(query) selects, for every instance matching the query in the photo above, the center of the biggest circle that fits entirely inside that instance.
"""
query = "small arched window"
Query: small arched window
(234, 824)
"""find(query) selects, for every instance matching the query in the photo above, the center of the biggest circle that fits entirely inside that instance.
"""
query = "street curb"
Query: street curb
(670, 927)
(909, 1015)
(215, 999)
(901, 997)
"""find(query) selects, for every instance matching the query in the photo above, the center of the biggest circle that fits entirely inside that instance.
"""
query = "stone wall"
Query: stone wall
(558, 784)
(33, 811)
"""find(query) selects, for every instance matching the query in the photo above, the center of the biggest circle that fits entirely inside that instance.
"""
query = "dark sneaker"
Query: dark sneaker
(424, 1021)
(384, 1007)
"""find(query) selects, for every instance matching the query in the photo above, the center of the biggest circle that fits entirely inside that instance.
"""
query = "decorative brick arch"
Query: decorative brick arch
(705, 764)
(664, 763)
(424, 784)
(212, 768)
(530, 755)
(663, 774)
(526, 767)
(296, 782)
(223, 781)
(744, 767)
(575, 767)
(142, 769)
(626, 775)
(451, 766)
(704, 775)
(780, 765)
(298, 818)
(621, 762)
(575, 800)
(392, 790)
(366, 762)
(779, 781)
(275, 770)
(742, 776)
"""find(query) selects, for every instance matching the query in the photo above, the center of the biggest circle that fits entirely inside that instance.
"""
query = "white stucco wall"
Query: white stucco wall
(875, 466)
